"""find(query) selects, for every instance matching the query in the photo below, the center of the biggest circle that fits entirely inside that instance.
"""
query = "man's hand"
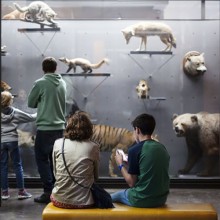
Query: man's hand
(118, 158)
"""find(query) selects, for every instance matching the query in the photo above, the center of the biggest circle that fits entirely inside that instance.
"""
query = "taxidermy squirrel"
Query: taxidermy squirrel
(85, 64)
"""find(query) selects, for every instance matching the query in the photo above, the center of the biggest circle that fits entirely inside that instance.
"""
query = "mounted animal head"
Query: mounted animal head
(128, 33)
(184, 123)
(64, 60)
(194, 63)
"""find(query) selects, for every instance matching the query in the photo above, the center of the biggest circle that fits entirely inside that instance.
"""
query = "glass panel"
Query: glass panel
(92, 30)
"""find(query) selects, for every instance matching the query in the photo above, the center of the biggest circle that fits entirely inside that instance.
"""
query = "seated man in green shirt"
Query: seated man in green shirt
(148, 165)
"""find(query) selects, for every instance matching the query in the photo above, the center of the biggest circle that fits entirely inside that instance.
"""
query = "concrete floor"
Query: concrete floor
(13, 209)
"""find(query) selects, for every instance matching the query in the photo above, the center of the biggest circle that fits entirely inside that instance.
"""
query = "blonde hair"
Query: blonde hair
(6, 99)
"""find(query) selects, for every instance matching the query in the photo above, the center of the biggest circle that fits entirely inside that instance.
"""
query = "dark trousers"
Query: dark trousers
(43, 153)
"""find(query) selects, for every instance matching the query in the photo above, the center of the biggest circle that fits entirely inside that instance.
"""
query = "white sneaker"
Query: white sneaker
(5, 195)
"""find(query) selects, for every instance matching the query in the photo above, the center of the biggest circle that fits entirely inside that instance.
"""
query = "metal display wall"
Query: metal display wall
(112, 99)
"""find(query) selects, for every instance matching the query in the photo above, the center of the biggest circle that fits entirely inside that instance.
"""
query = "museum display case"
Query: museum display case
(177, 73)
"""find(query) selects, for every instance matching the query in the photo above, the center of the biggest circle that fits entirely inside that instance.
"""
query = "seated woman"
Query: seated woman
(82, 160)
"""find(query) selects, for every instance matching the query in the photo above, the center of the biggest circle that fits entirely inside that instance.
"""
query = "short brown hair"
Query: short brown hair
(145, 122)
(49, 65)
(79, 127)
(6, 98)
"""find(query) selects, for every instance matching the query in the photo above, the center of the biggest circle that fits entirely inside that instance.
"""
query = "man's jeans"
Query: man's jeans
(11, 149)
(43, 153)
(121, 196)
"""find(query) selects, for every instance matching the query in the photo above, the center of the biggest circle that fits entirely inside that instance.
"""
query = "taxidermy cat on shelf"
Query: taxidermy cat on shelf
(85, 64)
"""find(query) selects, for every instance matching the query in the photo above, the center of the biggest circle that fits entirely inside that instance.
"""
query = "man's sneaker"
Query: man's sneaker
(5, 195)
(44, 198)
(23, 194)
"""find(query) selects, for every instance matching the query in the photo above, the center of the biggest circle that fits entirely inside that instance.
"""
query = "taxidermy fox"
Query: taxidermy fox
(85, 64)
(14, 15)
(145, 29)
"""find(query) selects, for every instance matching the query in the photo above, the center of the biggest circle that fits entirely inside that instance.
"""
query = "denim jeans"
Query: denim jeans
(121, 196)
(11, 149)
(43, 153)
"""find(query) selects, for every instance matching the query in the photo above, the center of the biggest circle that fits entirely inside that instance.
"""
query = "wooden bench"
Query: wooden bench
(123, 212)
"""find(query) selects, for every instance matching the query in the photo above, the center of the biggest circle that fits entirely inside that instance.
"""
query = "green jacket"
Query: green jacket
(48, 95)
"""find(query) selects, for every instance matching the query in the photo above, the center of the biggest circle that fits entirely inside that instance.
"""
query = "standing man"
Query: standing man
(148, 166)
(48, 95)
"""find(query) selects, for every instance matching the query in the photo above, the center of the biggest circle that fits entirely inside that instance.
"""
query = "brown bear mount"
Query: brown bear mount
(202, 134)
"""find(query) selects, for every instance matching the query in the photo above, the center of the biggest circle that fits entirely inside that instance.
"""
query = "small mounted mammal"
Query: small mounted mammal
(145, 29)
(194, 63)
(142, 89)
(37, 12)
(85, 64)
(14, 15)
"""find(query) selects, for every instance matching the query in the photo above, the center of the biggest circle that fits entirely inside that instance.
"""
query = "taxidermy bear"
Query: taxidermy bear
(194, 63)
(202, 134)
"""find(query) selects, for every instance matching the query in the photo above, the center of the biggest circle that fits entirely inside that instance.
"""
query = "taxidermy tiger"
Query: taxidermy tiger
(38, 12)
(85, 64)
(110, 139)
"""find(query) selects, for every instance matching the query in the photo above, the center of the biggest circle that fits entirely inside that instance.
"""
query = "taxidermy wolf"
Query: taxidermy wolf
(145, 29)
(85, 64)
(37, 12)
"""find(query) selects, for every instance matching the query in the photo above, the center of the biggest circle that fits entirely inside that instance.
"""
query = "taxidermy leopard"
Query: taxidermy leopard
(37, 12)
(85, 64)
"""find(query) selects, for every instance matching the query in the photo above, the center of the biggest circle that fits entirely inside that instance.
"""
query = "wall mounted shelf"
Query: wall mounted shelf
(152, 52)
(85, 75)
(38, 29)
